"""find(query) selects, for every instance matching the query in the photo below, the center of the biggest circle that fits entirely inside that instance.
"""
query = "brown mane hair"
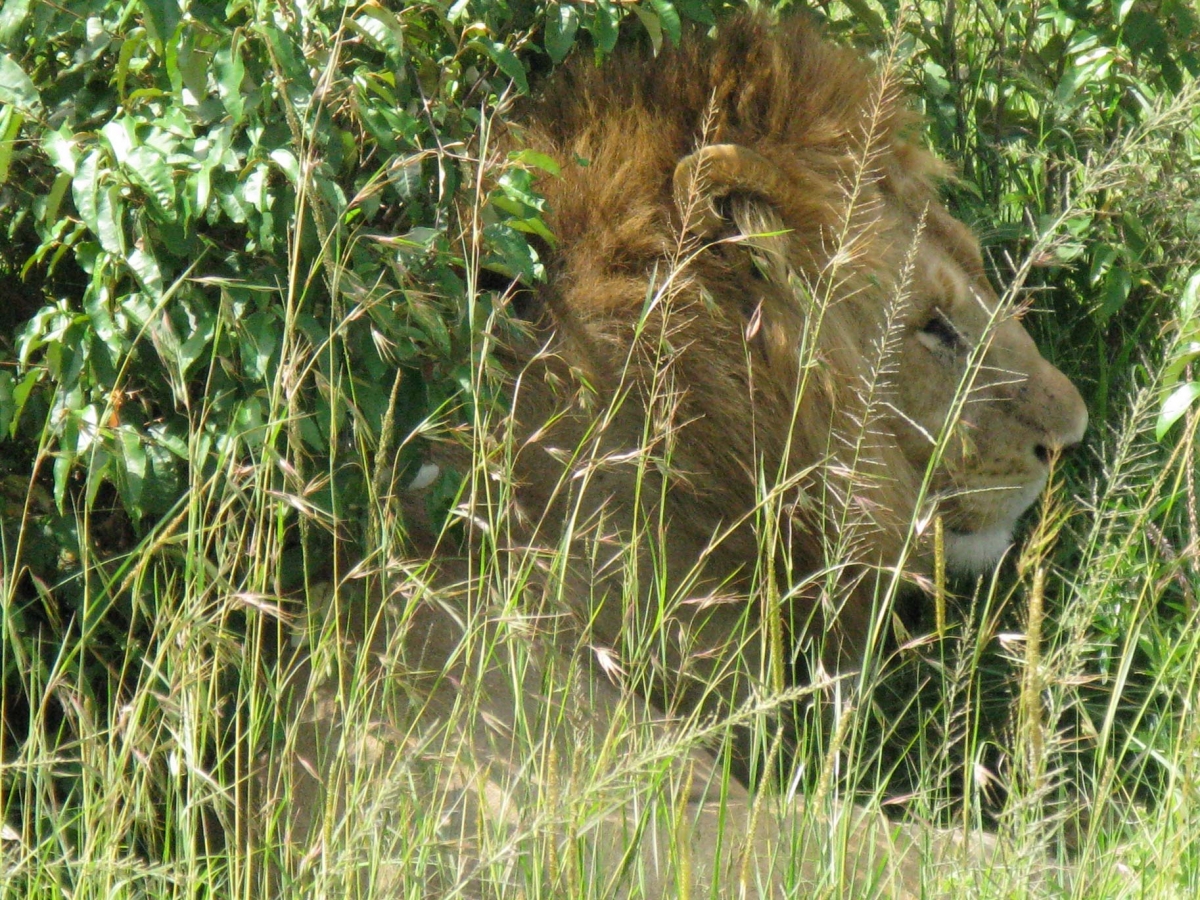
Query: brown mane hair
(835, 129)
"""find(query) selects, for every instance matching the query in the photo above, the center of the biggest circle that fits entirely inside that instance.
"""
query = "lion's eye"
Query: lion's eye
(940, 329)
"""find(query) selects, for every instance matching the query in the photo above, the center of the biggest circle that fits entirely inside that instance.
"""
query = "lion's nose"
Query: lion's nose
(1066, 415)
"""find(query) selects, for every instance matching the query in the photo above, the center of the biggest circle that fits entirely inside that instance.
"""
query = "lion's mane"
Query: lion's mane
(630, 295)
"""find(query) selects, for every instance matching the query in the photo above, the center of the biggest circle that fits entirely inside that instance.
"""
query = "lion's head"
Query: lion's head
(754, 265)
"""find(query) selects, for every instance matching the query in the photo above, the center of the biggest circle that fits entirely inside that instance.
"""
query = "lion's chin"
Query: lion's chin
(972, 552)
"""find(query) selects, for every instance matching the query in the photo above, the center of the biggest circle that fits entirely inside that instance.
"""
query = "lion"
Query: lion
(756, 281)
(765, 358)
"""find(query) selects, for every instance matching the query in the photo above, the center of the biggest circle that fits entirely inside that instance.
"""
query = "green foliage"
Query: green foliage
(205, 196)
(244, 246)
(1045, 108)
(235, 225)
(201, 193)
(1182, 391)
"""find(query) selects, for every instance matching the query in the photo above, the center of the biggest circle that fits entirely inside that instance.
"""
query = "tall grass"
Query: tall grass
(475, 741)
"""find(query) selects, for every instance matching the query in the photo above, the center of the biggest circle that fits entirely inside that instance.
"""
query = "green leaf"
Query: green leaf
(1176, 404)
(130, 46)
(652, 25)
(120, 137)
(668, 17)
(20, 395)
(253, 189)
(173, 444)
(145, 268)
(510, 254)
(383, 29)
(506, 61)
(534, 225)
(10, 124)
(109, 210)
(150, 172)
(258, 341)
(230, 73)
(89, 428)
(84, 188)
(1189, 303)
(59, 148)
(1121, 9)
(102, 325)
(58, 190)
(162, 17)
(285, 52)
(248, 427)
(517, 185)
(603, 26)
(1183, 354)
(286, 160)
(99, 469)
(562, 21)
(1117, 286)
(193, 69)
(538, 160)
(431, 325)
(869, 17)
(196, 344)
(1103, 256)
(139, 309)
(8, 406)
(13, 14)
(17, 88)
(62, 471)
(133, 457)
(697, 11)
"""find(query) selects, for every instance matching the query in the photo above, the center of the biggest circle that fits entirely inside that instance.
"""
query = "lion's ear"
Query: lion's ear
(704, 178)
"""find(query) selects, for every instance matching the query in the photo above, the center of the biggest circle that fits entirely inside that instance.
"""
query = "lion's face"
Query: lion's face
(970, 399)
(967, 361)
